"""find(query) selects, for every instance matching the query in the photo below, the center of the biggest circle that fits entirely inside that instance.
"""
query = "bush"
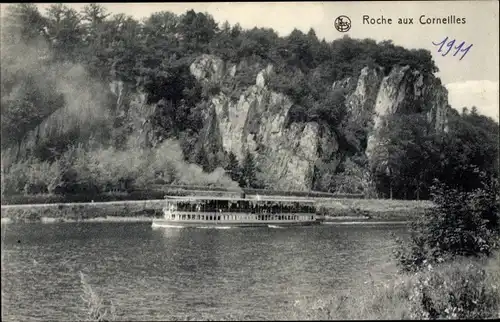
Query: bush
(463, 289)
(462, 224)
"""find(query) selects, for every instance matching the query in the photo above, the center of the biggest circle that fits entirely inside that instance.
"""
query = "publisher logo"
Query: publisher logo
(342, 23)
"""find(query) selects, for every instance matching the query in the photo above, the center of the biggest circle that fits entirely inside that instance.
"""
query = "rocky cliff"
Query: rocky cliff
(287, 155)
(256, 120)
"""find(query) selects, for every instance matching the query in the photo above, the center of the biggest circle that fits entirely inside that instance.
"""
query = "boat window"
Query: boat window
(173, 216)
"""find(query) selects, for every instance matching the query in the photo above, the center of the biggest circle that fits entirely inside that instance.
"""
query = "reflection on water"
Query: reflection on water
(160, 274)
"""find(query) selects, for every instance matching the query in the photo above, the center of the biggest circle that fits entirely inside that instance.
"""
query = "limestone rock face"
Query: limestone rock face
(286, 153)
(208, 68)
(408, 91)
(257, 123)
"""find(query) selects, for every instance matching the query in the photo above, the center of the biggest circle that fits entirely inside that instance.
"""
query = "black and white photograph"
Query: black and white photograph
(217, 161)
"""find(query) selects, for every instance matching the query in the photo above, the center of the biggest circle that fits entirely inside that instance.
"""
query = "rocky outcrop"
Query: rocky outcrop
(256, 123)
(208, 68)
(406, 91)
(134, 114)
(287, 154)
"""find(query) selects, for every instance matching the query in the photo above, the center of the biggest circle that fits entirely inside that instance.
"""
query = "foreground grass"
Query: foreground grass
(95, 308)
(463, 289)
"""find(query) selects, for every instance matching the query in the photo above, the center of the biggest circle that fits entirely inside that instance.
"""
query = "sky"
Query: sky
(472, 80)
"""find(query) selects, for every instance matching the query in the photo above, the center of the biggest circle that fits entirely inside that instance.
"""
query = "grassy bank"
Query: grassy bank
(462, 289)
(122, 211)
(371, 209)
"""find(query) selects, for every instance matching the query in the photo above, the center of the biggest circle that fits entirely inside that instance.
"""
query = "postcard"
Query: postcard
(250, 161)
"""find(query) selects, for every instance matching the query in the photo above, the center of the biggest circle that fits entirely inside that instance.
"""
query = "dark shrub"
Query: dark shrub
(461, 224)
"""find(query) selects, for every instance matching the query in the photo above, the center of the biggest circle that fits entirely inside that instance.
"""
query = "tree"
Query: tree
(202, 160)
(64, 31)
(248, 172)
(403, 161)
(233, 167)
(94, 13)
(22, 22)
(197, 30)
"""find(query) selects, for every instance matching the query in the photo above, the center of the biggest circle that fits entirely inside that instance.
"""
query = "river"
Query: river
(164, 274)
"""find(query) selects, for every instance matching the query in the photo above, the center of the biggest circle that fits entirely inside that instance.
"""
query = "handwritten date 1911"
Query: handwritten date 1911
(448, 46)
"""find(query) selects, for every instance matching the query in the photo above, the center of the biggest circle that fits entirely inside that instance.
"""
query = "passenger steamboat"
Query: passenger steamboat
(236, 212)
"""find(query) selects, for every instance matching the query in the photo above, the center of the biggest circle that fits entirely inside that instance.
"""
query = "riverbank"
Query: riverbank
(334, 210)
(367, 210)
(143, 210)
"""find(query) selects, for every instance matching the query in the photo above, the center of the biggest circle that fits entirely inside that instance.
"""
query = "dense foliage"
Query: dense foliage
(102, 169)
(461, 224)
(413, 155)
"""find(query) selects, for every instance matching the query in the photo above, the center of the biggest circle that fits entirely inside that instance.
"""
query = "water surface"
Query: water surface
(162, 274)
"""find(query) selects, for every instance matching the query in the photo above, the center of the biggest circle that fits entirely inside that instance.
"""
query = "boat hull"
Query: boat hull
(159, 223)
